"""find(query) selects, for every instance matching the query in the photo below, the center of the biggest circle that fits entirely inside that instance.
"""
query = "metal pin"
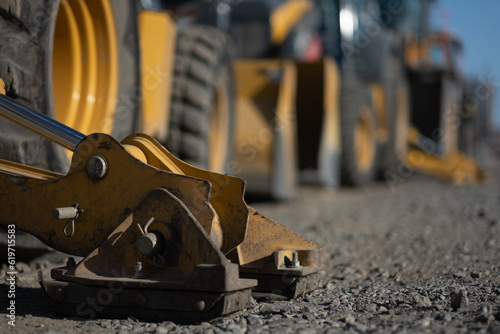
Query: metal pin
(294, 262)
(70, 212)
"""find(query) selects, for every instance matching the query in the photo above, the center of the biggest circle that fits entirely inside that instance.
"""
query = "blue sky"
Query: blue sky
(478, 25)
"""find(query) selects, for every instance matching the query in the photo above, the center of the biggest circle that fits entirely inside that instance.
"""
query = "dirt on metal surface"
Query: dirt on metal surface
(419, 256)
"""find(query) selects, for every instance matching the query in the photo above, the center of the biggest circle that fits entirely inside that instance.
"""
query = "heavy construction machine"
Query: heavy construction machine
(173, 240)
(323, 89)
(159, 237)
(322, 84)
(108, 66)
(433, 62)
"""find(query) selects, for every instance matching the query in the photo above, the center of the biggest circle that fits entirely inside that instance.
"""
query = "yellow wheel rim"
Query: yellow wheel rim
(67, 66)
(365, 139)
(85, 65)
(219, 128)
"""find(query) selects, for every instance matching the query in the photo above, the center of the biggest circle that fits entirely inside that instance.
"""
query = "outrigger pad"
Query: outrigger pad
(194, 280)
(283, 262)
(119, 301)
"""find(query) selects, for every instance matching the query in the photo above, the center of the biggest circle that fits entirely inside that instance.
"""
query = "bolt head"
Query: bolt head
(293, 262)
(139, 273)
(97, 167)
(60, 295)
(199, 305)
(70, 262)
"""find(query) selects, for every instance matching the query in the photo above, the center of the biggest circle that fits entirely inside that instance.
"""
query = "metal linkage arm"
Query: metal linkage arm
(39, 123)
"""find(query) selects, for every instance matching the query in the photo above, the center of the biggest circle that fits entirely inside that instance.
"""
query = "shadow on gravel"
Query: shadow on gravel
(32, 301)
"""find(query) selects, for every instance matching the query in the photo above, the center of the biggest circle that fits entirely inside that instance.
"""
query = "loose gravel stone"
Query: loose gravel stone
(254, 329)
(349, 319)
(446, 317)
(422, 301)
(459, 300)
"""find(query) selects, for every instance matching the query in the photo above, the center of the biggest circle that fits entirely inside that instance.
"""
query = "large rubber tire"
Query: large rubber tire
(25, 67)
(128, 103)
(360, 148)
(26, 50)
(397, 92)
(201, 124)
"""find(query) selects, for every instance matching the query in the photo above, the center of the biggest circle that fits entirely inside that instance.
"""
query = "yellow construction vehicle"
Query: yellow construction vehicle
(312, 103)
(432, 59)
(339, 84)
(329, 89)
(173, 239)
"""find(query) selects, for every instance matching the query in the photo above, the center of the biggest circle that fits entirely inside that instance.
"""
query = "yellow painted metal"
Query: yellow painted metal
(67, 65)
(89, 67)
(154, 153)
(331, 123)
(107, 66)
(265, 236)
(413, 136)
(201, 216)
(17, 169)
(194, 263)
(157, 31)
(330, 147)
(157, 156)
(454, 166)
(256, 100)
(215, 200)
(365, 139)
(380, 105)
(265, 117)
(226, 192)
(85, 65)
(284, 18)
(219, 128)
(202, 219)
(2, 87)
(136, 152)
(106, 202)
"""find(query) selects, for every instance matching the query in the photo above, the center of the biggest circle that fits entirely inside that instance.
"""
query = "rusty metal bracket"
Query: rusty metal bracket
(196, 272)
(211, 245)
(267, 254)
(427, 156)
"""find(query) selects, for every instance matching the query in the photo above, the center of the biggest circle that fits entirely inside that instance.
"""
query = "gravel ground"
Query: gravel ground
(421, 257)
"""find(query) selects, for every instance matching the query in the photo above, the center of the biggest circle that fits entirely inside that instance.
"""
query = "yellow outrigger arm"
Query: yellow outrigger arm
(454, 166)
(157, 234)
